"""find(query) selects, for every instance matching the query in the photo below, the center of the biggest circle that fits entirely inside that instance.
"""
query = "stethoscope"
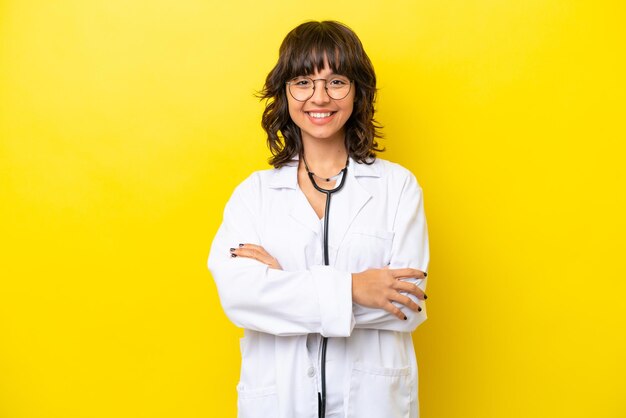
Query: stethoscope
(328, 192)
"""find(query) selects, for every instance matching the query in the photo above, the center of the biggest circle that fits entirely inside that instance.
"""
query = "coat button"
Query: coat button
(310, 372)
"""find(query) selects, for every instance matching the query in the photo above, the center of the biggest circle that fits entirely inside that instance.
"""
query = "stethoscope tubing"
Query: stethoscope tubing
(328, 193)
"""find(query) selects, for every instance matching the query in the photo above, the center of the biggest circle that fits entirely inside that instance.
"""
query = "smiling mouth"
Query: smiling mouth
(319, 115)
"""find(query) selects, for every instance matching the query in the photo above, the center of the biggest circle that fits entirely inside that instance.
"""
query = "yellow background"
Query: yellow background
(125, 126)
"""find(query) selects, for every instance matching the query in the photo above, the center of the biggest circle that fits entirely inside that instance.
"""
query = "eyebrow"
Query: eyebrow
(329, 75)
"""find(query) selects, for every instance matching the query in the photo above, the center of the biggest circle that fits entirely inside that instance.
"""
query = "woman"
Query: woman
(328, 294)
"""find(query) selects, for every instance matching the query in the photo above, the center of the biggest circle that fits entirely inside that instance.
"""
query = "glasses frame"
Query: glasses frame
(290, 83)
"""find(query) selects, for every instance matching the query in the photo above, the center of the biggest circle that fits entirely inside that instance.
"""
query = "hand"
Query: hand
(377, 288)
(255, 252)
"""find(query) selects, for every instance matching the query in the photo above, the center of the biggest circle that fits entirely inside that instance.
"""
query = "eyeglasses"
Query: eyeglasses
(303, 88)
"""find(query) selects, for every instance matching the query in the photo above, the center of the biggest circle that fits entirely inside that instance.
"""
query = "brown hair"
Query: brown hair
(302, 52)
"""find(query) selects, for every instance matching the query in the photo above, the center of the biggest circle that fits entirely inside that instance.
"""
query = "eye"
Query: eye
(338, 82)
(302, 82)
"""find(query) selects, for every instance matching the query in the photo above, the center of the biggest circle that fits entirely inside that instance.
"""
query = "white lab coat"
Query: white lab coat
(376, 220)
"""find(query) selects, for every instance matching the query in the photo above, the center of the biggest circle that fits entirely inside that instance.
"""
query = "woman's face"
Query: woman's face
(321, 117)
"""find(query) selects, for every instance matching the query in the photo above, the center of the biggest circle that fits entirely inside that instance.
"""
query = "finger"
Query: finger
(408, 287)
(249, 253)
(258, 253)
(406, 301)
(408, 273)
(253, 247)
(253, 253)
(392, 309)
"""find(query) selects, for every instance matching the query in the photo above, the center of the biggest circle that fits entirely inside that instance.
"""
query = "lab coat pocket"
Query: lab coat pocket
(379, 392)
(369, 247)
(258, 402)
(257, 396)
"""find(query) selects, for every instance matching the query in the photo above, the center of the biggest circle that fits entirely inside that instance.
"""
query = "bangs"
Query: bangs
(306, 62)
(307, 53)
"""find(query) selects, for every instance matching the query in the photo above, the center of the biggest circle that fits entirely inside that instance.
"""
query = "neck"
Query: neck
(325, 158)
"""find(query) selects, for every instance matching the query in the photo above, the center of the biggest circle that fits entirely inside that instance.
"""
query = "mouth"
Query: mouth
(320, 115)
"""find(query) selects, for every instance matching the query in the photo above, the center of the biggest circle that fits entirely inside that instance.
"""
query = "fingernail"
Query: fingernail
(425, 274)
(405, 318)
(419, 309)
(233, 255)
(232, 249)
(241, 245)
(425, 297)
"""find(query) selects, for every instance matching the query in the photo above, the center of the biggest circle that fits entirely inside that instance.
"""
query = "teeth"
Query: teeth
(320, 115)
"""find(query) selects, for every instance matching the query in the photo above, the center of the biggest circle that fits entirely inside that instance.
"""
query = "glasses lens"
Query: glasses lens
(301, 88)
(338, 87)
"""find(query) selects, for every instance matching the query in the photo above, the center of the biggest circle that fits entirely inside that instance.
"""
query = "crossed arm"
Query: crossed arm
(372, 288)
(257, 294)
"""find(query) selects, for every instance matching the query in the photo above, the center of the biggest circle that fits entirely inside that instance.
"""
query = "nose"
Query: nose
(320, 95)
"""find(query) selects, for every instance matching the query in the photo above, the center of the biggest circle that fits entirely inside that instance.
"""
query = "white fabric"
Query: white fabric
(376, 220)
(335, 358)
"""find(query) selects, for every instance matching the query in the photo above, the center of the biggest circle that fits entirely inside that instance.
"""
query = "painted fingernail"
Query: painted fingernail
(419, 309)
(232, 249)
(233, 255)
(425, 274)
(240, 245)
(425, 297)
(405, 318)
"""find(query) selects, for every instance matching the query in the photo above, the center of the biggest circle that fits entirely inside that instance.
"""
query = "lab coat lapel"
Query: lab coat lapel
(298, 208)
(302, 211)
(346, 204)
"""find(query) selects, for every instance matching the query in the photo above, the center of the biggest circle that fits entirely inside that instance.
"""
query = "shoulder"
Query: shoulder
(259, 181)
(255, 179)
(390, 172)
(247, 195)
(393, 169)
(253, 182)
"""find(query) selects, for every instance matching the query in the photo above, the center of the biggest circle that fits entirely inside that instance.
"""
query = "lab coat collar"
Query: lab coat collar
(345, 205)
(287, 175)
(365, 170)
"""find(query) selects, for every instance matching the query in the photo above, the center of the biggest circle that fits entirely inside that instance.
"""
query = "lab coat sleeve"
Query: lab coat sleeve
(409, 250)
(253, 296)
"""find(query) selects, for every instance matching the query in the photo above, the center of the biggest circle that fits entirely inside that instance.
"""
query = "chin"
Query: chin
(321, 136)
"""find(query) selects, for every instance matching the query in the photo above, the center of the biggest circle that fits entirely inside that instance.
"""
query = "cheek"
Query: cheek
(294, 109)
(350, 103)
(348, 109)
